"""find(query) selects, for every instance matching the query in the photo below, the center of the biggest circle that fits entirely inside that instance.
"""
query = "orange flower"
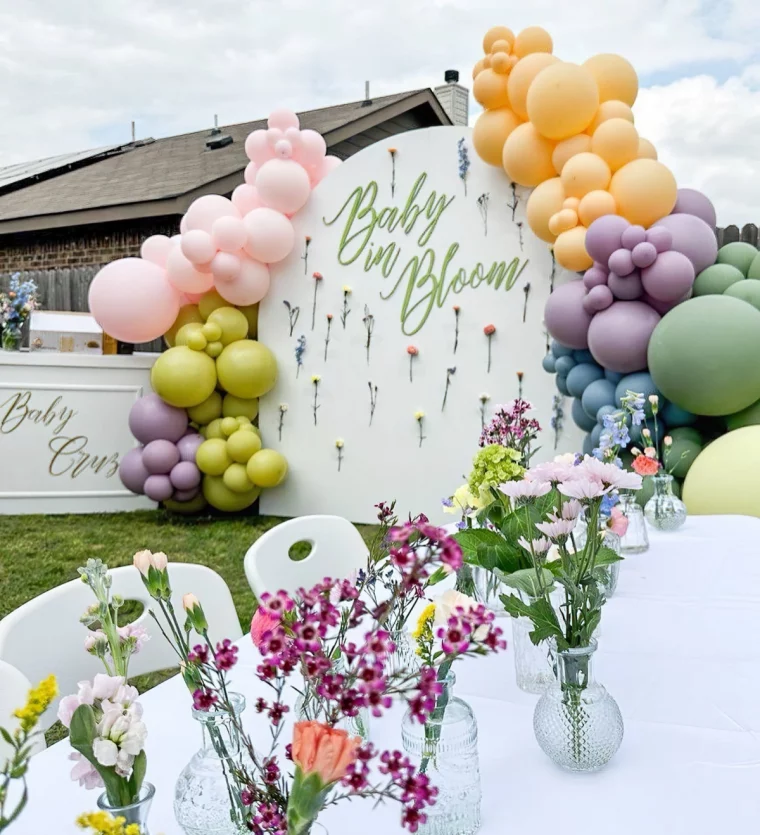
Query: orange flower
(317, 276)
(644, 465)
(489, 330)
(391, 151)
(326, 751)
(456, 308)
(412, 351)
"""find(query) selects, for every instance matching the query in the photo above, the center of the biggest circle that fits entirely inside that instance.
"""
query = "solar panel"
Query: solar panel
(22, 171)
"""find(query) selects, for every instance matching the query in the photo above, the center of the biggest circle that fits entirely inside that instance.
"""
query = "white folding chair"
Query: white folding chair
(14, 688)
(337, 550)
(45, 636)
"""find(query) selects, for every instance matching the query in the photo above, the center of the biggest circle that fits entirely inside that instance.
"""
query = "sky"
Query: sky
(77, 72)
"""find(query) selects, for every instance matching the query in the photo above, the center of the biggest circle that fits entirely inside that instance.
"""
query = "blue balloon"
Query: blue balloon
(596, 433)
(549, 362)
(604, 411)
(599, 393)
(563, 365)
(613, 376)
(588, 445)
(675, 416)
(580, 417)
(560, 350)
(581, 376)
(584, 356)
(642, 383)
(561, 381)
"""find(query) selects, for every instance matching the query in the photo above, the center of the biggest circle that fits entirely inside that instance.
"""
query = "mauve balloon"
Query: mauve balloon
(627, 288)
(644, 255)
(594, 276)
(621, 262)
(603, 237)
(661, 238)
(158, 488)
(185, 495)
(693, 237)
(670, 277)
(185, 476)
(693, 202)
(188, 446)
(159, 457)
(598, 298)
(150, 419)
(565, 318)
(619, 336)
(632, 236)
(132, 472)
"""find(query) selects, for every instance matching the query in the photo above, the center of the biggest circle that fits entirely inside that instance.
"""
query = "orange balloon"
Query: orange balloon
(491, 132)
(645, 191)
(584, 173)
(570, 250)
(527, 156)
(497, 33)
(569, 148)
(477, 68)
(615, 77)
(522, 77)
(486, 61)
(594, 205)
(610, 110)
(501, 46)
(562, 221)
(571, 203)
(500, 62)
(490, 89)
(562, 100)
(646, 149)
(531, 40)
(544, 202)
(616, 141)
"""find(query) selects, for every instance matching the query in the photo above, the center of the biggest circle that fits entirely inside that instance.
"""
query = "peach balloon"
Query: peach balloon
(228, 233)
(584, 173)
(502, 45)
(491, 132)
(646, 149)
(568, 148)
(184, 275)
(527, 156)
(545, 201)
(562, 100)
(479, 67)
(522, 77)
(156, 249)
(531, 40)
(645, 191)
(250, 286)
(269, 235)
(497, 33)
(615, 77)
(283, 185)
(563, 221)
(486, 59)
(570, 250)
(594, 205)
(616, 141)
(571, 203)
(610, 110)
(257, 147)
(245, 198)
(490, 89)
(205, 210)
(500, 63)
(225, 266)
(197, 246)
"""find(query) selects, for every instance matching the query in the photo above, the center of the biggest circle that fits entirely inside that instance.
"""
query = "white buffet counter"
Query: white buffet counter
(63, 430)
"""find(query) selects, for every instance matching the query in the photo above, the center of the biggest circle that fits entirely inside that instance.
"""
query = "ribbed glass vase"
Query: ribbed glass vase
(664, 511)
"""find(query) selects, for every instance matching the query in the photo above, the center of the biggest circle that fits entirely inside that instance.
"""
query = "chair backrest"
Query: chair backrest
(337, 550)
(14, 687)
(45, 636)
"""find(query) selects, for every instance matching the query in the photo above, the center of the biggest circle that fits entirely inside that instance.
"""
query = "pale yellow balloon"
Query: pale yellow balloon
(527, 156)
(490, 89)
(563, 221)
(570, 250)
(544, 202)
(501, 63)
(502, 45)
(584, 173)
(491, 132)
(497, 33)
(267, 468)
(616, 141)
(645, 191)
(562, 101)
(531, 40)
(235, 478)
(568, 148)
(522, 77)
(571, 203)
(479, 67)
(610, 110)
(615, 77)
(646, 149)
(594, 205)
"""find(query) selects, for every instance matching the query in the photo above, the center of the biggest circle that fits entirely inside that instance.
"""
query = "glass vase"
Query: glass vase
(488, 590)
(11, 338)
(577, 724)
(607, 575)
(206, 800)
(403, 656)
(636, 539)
(309, 708)
(136, 812)
(446, 749)
(664, 511)
(533, 664)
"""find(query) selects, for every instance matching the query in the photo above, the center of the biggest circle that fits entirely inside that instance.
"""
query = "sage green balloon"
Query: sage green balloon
(747, 417)
(747, 290)
(753, 272)
(703, 355)
(679, 456)
(647, 490)
(686, 433)
(716, 280)
(739, 255)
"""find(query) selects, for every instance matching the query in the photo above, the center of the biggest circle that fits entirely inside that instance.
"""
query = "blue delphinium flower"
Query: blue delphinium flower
(464, 162)
(608, 502)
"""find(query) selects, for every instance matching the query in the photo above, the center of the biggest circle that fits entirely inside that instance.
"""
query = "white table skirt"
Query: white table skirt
(679, 652)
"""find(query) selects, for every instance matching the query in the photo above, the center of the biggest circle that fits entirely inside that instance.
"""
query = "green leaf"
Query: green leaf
(525, 580)
(542, 615)
(7, 737)
(438, 576)
(515, 607)
(81, 735)
(606, 556)
(138, 773)
(470, 540)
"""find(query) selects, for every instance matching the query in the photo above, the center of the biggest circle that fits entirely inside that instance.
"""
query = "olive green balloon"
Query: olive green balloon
(236, 407)
(220, 496)
(739, 255)
(212, 457)
(754, 268)
(647, 490)
(183, 377)
(214, 349)
(249, 427)
(715, 280)
(747, 417)
(236, 479)
(233, 323)
(747, 290)
(679, 456)
(193, 506)
(241, 445)
(686, 433)
(229, 425)
(214, 429)
(243, 420)
(267, 468)
(187, 313)
(251, 313)
(209, 410)
(210, 302)
(247, 369)
(192, 336)
(703, 355)
(212, 331)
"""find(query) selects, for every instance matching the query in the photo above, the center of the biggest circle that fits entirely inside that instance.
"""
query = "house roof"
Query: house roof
(163, 176)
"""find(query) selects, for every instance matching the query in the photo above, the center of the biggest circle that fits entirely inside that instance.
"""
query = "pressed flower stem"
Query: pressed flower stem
(490, 336)
(456, 330)
(340, 457)
(280, 424)
(422, 437)
(327, 338)
(372, 401)
(316, 398)
(314, 305)
(411, 364)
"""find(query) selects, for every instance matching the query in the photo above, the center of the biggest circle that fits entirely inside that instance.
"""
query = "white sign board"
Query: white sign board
(432, 259)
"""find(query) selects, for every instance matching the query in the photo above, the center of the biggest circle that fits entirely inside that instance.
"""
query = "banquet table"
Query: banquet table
(679, 651)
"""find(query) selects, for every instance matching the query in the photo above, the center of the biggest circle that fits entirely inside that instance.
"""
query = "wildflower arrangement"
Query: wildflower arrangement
(16, 305)
(512, 427)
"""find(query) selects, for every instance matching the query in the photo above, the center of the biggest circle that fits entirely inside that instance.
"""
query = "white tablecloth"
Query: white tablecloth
(679, 651)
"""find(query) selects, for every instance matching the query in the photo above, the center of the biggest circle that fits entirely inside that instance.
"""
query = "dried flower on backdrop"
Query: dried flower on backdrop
(327, 335)
(305, 256)
(489, 331)
(369, 326)
(464, 163)
(282, 409)
(419, 416)
(317, 281)
(300, 351)
(520, 234)
(339, 446)
(346, 309)
(515, 201)
(293, 313)
(372, 401)
(393, 152)
(558, 416)
(484, 398)
(315, 381)
(457, 311)
(413, 351)
(526, 293)
(449, 374)
(483, 206)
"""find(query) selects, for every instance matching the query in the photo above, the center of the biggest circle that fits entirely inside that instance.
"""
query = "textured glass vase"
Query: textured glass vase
(403, 656)
(488, 590)
(577, 723)
(11, 338)
(308, 708)
(136, 812)
(205, 800)
(664, 511)
(636, 539)
(446, 749)
(533, 664)
(606, 575)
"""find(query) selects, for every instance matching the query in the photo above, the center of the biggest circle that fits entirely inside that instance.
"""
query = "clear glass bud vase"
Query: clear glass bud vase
(488, 590)
(577, 724)
(533, 664)
(403, 656)
(664, 511)
(636, 539)
(206, 797)
(11, 338)
(136, 812)
(309, 708)
(606, 575)
(446, 749)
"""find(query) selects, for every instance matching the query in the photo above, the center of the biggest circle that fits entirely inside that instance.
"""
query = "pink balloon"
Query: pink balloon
(283, 149)
(197, 246)
(158, 487)
(621, 262)
(228, 233)
(246, 199)
(594, 276)
(249, 287)
(598, 298)
(204, 268)
(205, 210)
(257, 147)
(626, 288)
(270, 235)
(293, 135)
(193, 298)
(155, 249)
(283, 185)
(182, 226)
(283, 119)
(328, 164)
(184, 276)
(132, 300)
(670, 277)
(566, 320)
(619, 336)
(225, 266)
(249, 175)
(313, 148)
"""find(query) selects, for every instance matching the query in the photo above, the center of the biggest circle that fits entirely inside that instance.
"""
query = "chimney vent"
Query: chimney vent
(367, 100)
(451, 76)
(454, 98)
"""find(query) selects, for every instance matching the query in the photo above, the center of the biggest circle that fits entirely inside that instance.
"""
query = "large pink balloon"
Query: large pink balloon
(156, 249)
(619, 336)
(205, 210)
(270, 235)
(132, 300)
(313, 148)
(184, 276)
(197, 246)
(250, 286)
(329, 163)
(283, 185)
(566, 319)
(228, 234)
(257, 147)
(604, 236)
(246, 199)
(693, 237)
(669, 278)
(225, 266)
(249, 175)
(283, 119)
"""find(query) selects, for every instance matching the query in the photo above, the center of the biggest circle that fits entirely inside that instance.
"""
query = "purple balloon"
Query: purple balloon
(150, 419)
(633, 235)
(661, 307)
(158, 488)
(594, 276)
(598, 298)
(604, 235)
(621, 262)
(626, 288)
(188, 446)
(644, 255)
(619, 336)
(693, 202)
(693, 237)
(661, 238)
(185, 475)
(565, 318)
(132, 471)
(160, 456)
(671, 275)
(185, 495)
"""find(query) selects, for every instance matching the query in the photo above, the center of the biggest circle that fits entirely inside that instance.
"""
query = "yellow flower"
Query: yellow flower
(419, 415)
(101, 823)
(346, 290)
(339, 443)
(38, 701)
(315, 378)
(424, 621)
